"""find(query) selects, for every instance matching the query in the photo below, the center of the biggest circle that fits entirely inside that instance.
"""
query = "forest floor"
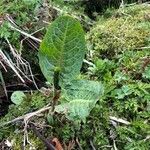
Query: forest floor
(118, 56)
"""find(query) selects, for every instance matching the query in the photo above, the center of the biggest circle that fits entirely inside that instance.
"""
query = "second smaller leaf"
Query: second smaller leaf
(79, 98)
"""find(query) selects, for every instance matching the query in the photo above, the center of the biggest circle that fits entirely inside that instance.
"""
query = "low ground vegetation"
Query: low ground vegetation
(118, 56)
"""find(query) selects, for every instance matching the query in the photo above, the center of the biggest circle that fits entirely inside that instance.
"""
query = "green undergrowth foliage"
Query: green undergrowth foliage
(29, 104)
(27, 16)
(119, 44)
(123, 38)
(22, 12)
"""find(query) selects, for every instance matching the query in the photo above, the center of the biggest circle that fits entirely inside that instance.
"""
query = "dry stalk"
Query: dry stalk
(10, 64)
(26, 118)
(119, 120)
(22, 63)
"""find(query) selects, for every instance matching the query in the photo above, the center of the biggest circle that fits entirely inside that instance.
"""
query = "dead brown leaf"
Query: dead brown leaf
(58, 145)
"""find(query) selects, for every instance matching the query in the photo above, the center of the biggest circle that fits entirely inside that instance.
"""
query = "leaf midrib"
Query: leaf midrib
(61, 55)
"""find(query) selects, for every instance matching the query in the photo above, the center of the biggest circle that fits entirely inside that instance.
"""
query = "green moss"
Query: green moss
(121, 32)
(17, 138)
(136, 136)
(120, 63)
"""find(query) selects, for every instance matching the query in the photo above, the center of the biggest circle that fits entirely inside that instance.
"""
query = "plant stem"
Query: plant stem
(56, 89)
(56, 80)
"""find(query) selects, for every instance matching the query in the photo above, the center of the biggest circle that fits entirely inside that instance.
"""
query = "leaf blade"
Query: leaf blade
(79, 98)
(64, 47)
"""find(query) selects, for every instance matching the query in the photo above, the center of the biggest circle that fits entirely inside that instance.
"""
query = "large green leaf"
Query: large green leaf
(63, 47)
(78, 99)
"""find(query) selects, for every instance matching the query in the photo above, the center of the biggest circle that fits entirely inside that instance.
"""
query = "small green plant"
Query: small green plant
(17, 97)
(60, 57)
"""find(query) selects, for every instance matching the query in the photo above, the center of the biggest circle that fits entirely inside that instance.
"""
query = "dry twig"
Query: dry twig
(119, 120)
(27, 117)
(9, 63)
